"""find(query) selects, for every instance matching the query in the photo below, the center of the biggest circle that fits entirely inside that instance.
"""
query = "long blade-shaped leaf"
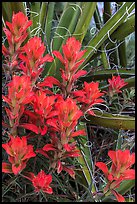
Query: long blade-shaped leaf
(49, 19)
(105, 74)
(111, 121)
(87, 9)
(65, 28)
(110, 26)
(42, 17)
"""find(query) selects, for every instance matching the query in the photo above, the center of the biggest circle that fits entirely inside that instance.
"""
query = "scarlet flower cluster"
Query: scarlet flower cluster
(32, 104)
(119, 171)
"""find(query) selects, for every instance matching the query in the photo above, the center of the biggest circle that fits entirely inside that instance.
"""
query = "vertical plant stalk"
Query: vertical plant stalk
(34, 15)
(48, 24)
(106, 16)
(86, 162)
(42, 18)
(122, 48)
(119, 140)
(110, 26)
(87, 11)
(104, 57)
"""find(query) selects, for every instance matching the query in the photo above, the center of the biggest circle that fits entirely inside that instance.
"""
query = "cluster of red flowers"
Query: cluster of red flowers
(43, 111)
(119, 171)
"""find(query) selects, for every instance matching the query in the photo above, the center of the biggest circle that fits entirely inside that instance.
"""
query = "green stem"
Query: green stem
(104, 58)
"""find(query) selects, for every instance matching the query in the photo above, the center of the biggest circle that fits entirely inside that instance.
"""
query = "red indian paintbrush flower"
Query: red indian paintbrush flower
(19, 91)
(115, 84)
(89, 96)
(71, 52)
(61, 146)
(41, 182)
(68, 115)
(16, 33)
(43, 106)
(119, 171)
(33, 58)
(71, 61)
(19, 153)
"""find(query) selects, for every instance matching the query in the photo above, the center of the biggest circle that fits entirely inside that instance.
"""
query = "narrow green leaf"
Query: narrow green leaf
(18, 6)
(125, 29)
(6, 11)
(122, 54)
(130, 81)
(9, 7)
(111, 121)
(104, 57)
(106, 74)
(126, 186)
(88, 9)
(67, 29)
(62, 28)
(86, 159)
(42, 17)
(34, 16)
(107, 11)
(49, 19)
(110, 26)
(113, 57)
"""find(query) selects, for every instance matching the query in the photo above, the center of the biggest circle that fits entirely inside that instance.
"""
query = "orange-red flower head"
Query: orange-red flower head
(16, 33)
(119, 171)
(33, 58)
(41, 182)
(19, 91)
(115, 84)
(89, 96)
(19, 153)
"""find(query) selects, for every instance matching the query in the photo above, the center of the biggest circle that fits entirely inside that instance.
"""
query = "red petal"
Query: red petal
(58, 55)
(47, 58)
(79, 74)
(70, 171)
(80, 54)
(48, 190)
(118, 196)
(129, 174)
(48, 147)
(79, 132)
(4, 50)
(112, 155)
(42, 152)
(6, 168)
(59, 167)
(44, 130)
(31, 127)
(73, 154)
(7, 100)
(17, 170)
(77, 64)
(103, 167)
(49, 81)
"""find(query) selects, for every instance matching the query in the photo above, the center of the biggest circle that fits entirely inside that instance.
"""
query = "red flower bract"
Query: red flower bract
(115, 84)
(19, 91)
(19, 153)
(89, 95)
(33, 58)
(17, 29)
(40, 182)
(119, 171)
